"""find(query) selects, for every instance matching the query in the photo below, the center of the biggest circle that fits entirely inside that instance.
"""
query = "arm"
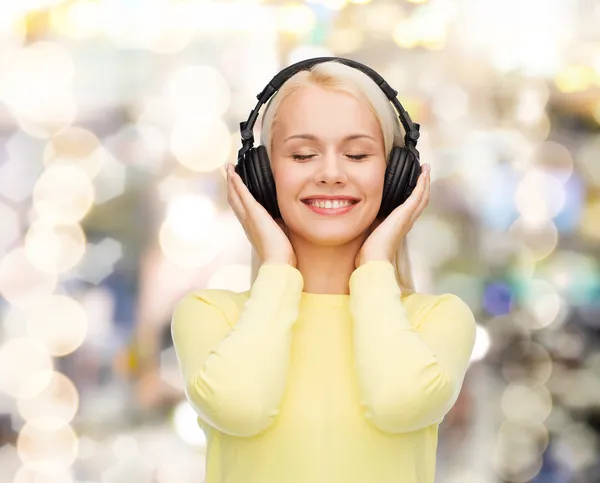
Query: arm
(409, 377)
(235, 377)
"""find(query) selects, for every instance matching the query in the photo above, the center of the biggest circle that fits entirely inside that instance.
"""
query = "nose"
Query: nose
(330, 170)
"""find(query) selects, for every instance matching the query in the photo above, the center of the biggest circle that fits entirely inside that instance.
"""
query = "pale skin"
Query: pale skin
(326, 249)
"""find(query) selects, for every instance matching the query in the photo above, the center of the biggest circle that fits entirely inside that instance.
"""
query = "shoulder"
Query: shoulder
(226, 302)
(421, 305)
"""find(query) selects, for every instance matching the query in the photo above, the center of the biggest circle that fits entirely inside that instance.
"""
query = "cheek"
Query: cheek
(289, 186)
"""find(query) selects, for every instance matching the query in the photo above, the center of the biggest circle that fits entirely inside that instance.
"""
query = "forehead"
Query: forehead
(313, 109)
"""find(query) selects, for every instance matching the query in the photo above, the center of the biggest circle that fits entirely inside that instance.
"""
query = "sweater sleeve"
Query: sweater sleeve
(409, 375)
(235, 374)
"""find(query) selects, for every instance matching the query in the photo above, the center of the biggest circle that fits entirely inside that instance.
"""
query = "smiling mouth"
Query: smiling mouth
(331, 209)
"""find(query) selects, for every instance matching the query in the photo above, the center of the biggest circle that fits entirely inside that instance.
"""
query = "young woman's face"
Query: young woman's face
(327, 144)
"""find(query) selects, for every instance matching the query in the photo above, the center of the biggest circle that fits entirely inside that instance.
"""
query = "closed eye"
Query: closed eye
(301, 157)
(357, 156)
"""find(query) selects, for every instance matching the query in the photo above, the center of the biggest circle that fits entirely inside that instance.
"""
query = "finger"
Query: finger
(424, 201)
(248, 201)
(233, 198)
(416, 196)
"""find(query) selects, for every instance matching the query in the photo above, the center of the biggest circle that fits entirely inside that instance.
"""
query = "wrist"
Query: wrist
(372, 258)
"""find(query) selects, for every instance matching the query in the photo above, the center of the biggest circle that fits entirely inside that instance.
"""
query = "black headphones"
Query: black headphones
(403, 167)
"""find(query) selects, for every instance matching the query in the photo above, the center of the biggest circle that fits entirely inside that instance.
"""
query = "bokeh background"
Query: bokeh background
(116, 120)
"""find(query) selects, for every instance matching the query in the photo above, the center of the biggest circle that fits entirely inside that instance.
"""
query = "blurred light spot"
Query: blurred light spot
(523, 266)
(493, 186)
(80, 19)
(568, 219)
(198, 90)
(575, 447)
(9, 221)
(141, 145)
(539, 196)
(436, 238)
(405, 34)
(41, 108)
(518, 450)
(110, 181)
(568, 345)
(191, 216)
(75, 146)
(59, 323)
(576, 275)
(543, 303)
(18, 177)
(345, 40)
(186, 425)
(174, 184)
(46, 472)
(533, 98)
(303, 52)
(125, 447)
(590, 228)
(232, 277)
(201, 146)
(330, 4)
(54, 248)
(467, 287)
(555, 159)
(53, 405)
(99, 260)
(497, 298)
(165, 28)
(54, 447)
(29, 361)
(587, 157)
(450, 103)
(99, 305)
(185, 236)
(295, 19)
(526, 363)
(525, 403)
(540, 239)
(88, 447)
(21, 282)
(63, 194)
(482, 344)
(574, 78)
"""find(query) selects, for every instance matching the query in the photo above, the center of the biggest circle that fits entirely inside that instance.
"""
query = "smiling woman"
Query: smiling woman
(331, 368)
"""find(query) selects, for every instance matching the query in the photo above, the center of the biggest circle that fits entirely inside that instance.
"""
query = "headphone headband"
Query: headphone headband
(246, 128)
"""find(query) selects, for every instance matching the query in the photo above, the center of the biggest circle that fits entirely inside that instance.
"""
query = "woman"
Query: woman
(331, 368)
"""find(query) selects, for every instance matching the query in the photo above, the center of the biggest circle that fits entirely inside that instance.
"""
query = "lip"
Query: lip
(330, 197)
(331, 211)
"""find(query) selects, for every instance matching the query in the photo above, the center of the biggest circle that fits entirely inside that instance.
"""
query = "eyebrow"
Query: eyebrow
(312, 137)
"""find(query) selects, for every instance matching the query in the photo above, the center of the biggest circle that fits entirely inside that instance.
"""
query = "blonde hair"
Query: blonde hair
(340, 77)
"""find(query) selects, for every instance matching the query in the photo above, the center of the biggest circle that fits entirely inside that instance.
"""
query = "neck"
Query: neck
(326, 269)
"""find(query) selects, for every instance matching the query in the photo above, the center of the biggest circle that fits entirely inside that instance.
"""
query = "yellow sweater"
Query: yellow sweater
(296, 387)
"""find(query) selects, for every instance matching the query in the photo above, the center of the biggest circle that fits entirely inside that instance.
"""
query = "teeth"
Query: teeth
(329, 204)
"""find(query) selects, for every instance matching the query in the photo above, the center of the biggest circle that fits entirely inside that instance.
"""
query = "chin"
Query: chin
(329, 238)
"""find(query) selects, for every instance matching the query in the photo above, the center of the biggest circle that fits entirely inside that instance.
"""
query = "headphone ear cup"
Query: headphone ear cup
(266, 182)
(401, 177)
(255, 171)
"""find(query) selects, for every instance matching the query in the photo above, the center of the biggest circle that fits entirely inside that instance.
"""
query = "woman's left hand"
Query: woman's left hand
(385, 236)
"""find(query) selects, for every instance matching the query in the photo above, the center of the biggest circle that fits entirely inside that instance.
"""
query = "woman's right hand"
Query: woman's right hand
(266, 235)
